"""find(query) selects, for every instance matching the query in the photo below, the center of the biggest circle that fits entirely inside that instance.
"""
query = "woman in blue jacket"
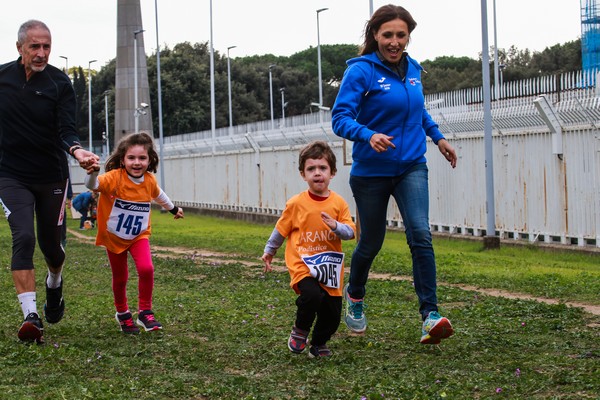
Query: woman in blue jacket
(380, 107)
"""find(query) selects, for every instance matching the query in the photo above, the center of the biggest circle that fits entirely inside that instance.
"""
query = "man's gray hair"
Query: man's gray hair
(27, 25)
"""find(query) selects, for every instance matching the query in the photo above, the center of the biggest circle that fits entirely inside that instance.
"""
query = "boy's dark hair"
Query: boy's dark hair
(314, 151)
(115, 160)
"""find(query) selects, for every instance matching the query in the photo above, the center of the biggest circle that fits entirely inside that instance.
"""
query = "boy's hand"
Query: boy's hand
(267, 258)
(330, 222)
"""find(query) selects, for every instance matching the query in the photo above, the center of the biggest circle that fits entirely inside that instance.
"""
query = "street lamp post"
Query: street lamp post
(213, 116)
(490, 241)
(319, 63)
(496, 66)
(229, 89)
(282, 90)
(90, 101)
(66, 64)
(159, 89)
(136, 113)
(271, 94)
(501, 67)
(106, 92)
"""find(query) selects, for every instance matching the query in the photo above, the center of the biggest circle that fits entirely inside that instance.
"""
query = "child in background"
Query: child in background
(82, 203)
(314, 223)
(126, 192)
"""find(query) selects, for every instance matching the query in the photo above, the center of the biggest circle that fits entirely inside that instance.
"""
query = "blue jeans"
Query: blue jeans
(411, 192)
(83, 218)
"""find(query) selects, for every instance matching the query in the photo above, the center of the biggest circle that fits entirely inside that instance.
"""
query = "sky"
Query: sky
(85, 30)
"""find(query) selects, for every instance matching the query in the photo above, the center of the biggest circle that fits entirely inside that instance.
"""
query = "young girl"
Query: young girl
(126, 192)
(314, 222)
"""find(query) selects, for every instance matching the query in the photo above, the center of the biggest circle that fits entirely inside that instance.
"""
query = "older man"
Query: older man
(37, 130)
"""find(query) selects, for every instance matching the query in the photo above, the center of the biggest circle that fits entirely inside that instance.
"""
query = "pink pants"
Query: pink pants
(140, 252)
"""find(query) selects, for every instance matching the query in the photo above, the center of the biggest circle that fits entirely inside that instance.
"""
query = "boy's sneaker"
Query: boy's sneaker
(319, 351)
(54, 307)
(354, 314)
(146, 320)
(32, 329)
(126, 323)
(435, 328)
(297, 340)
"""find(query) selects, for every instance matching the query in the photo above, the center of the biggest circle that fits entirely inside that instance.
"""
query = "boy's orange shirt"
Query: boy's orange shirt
(307, 234)
(115, 187)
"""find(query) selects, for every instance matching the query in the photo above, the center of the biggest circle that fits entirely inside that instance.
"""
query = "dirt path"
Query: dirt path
(225, 258)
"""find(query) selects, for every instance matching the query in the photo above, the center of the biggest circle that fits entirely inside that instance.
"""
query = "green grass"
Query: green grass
(226, 326)
(567, 276)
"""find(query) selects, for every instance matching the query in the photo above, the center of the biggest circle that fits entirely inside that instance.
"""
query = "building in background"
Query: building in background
(590, 35)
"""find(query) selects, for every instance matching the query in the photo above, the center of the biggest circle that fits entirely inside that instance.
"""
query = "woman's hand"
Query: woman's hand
(447, 151)
(380, 142)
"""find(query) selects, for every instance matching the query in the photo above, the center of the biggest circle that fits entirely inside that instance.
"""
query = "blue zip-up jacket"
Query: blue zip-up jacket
(82, 202)
(373, 99)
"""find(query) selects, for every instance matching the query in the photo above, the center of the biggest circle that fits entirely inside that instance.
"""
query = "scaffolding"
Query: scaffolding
(590, 35)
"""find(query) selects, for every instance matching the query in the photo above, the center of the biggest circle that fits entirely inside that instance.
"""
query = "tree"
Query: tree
(185, 74)
(444, 74)
(80, 87)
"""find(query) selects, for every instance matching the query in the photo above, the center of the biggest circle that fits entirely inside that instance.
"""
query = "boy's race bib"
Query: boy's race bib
(128, 218)
(326, 267)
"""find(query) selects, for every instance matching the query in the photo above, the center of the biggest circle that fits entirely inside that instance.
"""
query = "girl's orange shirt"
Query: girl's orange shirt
(116, 185)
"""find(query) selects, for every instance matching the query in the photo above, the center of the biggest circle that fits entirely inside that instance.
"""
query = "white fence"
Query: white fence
(539, 195)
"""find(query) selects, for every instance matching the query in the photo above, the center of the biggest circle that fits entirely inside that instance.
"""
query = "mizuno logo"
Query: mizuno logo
(126, 205)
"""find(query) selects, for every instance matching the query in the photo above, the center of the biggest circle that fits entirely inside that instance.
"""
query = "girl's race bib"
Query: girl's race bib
(326, 267)
(128, 218)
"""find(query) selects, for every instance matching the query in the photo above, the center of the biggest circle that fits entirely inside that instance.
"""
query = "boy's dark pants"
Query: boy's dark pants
(315, 302)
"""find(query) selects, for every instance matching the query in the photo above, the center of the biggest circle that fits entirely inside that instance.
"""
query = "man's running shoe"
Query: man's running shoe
(32, 329)
(126, 323)
(54, 307)
(297, 340)
(319, 351)
(147, 321)
(354, 314)
(435, 328)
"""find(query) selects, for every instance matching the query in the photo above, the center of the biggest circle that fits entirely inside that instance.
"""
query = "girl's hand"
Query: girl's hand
(93, 168)
(179, 213)
(87, 159)
(267, 258)
(330, 222)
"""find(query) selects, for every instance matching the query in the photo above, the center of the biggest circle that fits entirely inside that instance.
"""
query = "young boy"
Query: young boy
(314, 222)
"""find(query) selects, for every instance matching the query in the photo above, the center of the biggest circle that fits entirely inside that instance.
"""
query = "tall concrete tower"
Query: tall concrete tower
(130, 44)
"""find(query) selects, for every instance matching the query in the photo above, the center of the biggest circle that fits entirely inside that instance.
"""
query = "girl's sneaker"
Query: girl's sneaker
(125, 321)
(319, 351)
(147, 321)
(297, 340)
